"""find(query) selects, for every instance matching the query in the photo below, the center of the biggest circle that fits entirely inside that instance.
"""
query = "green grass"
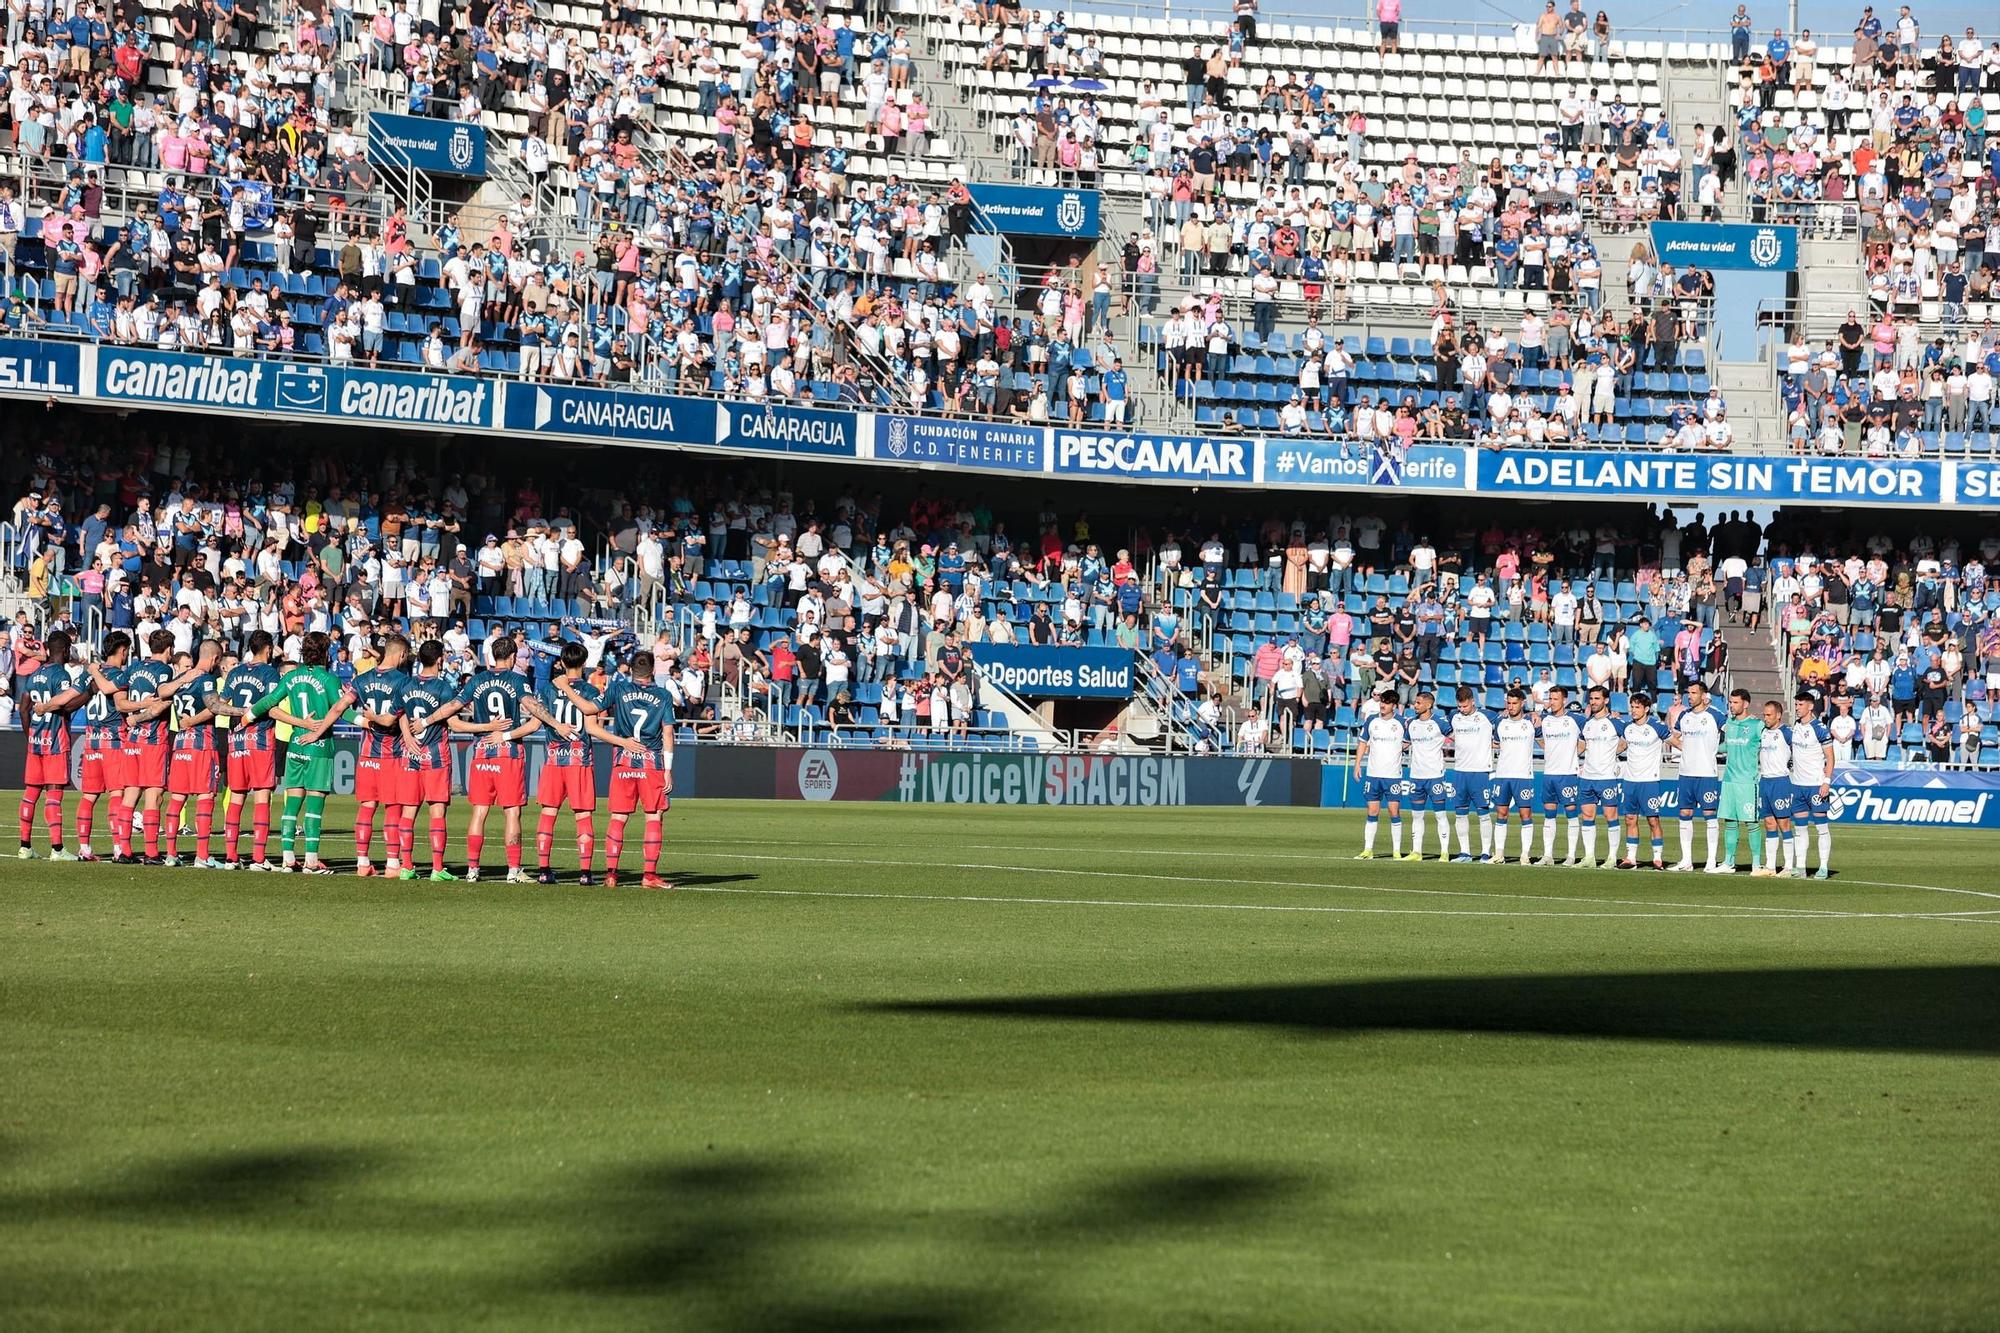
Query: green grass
(248, 1102)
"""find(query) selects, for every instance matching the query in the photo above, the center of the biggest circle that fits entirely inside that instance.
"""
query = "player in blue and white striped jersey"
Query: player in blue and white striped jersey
(1379, 760)
(1697, 726)
(1812, 784)
(1514, 775)
(1561, 740)
(1774, 789)
(1598, 740)
(1427, 786)
(1471, 772)
(1642, 744)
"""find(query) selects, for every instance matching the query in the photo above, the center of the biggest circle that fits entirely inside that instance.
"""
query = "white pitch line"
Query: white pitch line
(1717, 909)
(1229, 907)
(1762, 915)
(1926, 888)
(1304, 856)
(1253, 854)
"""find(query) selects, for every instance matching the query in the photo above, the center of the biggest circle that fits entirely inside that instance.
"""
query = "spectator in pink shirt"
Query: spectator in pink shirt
(1687, 652)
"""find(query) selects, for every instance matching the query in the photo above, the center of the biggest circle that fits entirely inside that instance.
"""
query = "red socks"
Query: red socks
(260, 830)
(475, 846)
(653, 838)
(437, 843)
(614, 846)
(586, 839)
(172, 829)
(545, 837)
(151, 819)
(204, 824)
(364, 832)
(33, 794)
(86, 815)
(52, 816)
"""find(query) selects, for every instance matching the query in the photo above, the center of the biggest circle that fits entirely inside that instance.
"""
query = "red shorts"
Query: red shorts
(146, 766)
(643, 789)
(379, 781)
(103, 771)
(192, 773)
(497, 780)
(573, 785)
(253, 770)
(47, 770)
(423, 786)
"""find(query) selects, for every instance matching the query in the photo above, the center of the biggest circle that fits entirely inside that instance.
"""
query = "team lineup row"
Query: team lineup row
(166, 730)
(1748, 769)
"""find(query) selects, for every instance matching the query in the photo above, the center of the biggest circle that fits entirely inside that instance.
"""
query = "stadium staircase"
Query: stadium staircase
(1754, 664)
(667, 158)
(952, 92)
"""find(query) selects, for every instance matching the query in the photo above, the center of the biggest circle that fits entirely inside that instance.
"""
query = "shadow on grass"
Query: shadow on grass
(740, 1243)
(732, 1236)
(1935, 1010)
(209, 1187)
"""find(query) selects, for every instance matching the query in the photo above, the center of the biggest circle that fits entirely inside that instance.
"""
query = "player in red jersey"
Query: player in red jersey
(429, 703)
(50, 698)
(146, 748)
(252, 761)
(194, 765)
(638, 718)
(499, 709)
(103, 770)
(377, 700)
(569, 770)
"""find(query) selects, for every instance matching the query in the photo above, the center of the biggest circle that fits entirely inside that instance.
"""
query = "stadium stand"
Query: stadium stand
(774, 204)
(830, 622)
(1301, 238)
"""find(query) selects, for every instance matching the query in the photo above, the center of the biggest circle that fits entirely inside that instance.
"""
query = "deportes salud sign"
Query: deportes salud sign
(1035, 672)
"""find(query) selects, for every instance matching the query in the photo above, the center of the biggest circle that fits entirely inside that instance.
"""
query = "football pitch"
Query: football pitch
(955, 1068)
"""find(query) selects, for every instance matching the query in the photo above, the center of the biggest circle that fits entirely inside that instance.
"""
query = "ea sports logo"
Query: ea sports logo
(819, 775)
(899, 437)
(1069, 211)
(459, 148)
(1765, 247)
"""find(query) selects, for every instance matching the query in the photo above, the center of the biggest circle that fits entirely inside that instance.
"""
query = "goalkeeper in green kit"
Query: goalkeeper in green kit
(1740, 738)
(309, 697)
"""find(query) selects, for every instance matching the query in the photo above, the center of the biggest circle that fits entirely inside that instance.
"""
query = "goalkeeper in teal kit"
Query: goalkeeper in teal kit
(1740, 738)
